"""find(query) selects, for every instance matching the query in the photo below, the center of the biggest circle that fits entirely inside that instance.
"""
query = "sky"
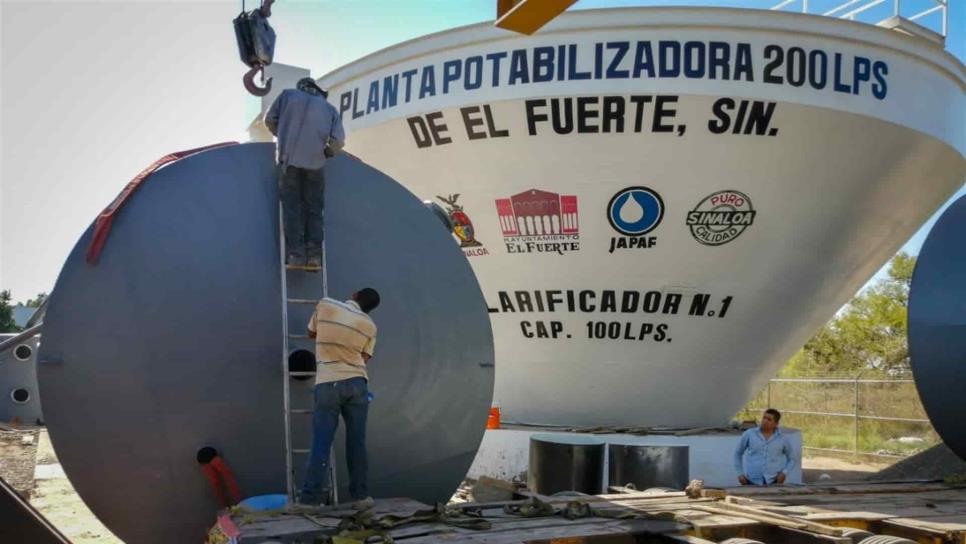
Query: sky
(92, 92)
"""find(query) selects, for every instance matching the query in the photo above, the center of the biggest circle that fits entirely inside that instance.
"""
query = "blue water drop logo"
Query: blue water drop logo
(634, 211)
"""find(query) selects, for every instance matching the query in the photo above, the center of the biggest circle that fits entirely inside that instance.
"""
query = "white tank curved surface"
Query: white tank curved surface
(19, 398)
(662, 204)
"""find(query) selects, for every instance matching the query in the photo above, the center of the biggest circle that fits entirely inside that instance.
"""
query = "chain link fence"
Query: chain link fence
(879, 418)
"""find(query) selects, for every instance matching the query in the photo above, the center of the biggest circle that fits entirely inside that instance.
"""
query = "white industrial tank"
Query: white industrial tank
(662, 204)
(19, 398)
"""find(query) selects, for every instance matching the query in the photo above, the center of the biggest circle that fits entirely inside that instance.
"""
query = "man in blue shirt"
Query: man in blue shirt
(764, 455)
(308, 129)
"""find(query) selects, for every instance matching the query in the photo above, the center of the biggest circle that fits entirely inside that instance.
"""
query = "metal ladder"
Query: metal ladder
(290, 452)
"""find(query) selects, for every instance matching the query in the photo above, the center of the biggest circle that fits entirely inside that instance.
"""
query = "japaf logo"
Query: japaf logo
(536, 221)
(463, 227)
(634, 212)
(721, 217)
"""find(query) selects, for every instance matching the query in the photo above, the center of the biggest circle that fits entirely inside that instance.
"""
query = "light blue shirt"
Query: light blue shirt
(761, 459)
(304, 124)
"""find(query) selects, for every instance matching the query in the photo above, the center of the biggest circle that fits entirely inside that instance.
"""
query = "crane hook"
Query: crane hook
(249, 81)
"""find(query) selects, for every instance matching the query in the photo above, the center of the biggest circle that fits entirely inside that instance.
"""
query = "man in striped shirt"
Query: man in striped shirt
(345, 339)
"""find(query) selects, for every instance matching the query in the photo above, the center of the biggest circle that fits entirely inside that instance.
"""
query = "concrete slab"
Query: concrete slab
(504, 453)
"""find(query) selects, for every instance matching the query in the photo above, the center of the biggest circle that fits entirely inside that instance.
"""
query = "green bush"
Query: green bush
(875, 399)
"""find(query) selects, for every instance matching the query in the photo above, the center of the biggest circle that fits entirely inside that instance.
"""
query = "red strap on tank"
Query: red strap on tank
(212, 476)
(217, 471)
(102, 226)
(228, 477)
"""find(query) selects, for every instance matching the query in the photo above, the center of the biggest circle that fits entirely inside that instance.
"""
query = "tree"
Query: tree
(36, 302)
(868, 334)
(7, 323)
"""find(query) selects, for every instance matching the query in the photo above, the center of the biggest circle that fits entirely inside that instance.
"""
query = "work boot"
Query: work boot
(314, 261)
(309, 500)
(294, 259)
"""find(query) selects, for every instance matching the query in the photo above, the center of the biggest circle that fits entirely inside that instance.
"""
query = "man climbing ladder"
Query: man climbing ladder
(309, 130)
(345, 340)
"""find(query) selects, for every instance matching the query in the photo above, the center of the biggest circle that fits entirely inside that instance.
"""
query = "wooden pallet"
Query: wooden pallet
(933, 513)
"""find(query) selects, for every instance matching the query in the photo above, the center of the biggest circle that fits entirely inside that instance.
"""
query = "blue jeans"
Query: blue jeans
(303, 197)
(350, 398)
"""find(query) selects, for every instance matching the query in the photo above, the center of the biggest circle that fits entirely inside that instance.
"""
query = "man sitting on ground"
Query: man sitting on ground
(764, 454)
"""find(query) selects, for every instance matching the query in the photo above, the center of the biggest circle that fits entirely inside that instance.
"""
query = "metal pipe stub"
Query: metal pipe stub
(648, 466)
(565, 462)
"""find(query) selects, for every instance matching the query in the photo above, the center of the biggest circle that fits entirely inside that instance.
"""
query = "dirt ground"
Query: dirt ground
(937, 463)
(18, 449)
(818, 470)
(55, 498)
(29, 464)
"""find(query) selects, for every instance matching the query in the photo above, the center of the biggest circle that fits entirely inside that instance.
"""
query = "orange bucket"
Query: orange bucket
(493, 422)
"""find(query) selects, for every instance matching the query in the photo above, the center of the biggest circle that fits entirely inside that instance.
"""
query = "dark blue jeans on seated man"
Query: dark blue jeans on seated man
(303, 195)
(350, 399)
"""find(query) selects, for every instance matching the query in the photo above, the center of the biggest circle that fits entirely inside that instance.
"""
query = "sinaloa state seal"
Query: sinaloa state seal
(721, 217)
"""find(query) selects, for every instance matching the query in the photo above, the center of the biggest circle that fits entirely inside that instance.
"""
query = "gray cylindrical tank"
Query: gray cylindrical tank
(648, 466)
(173, 341)
(937, 325)
(565, 462)
(19, 397)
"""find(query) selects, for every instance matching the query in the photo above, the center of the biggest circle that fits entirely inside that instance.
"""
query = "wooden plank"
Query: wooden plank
(933, 504)
(606, 497)
(499, 523)
(643, 495)
(287, 528)
(304, 522)
(839, 516)
(947, 495)
(554, 531)
(528, 526)
(883, 502)
(840, 489)
(777, 520)
(930, 510)
(508, 523)
(589, 499)
(754, 502)
(721, 521)
(893, 508)
(513, 523)
(930, 513)
(909, 512)
(946, 529)
(958, 521)
(645, 506)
